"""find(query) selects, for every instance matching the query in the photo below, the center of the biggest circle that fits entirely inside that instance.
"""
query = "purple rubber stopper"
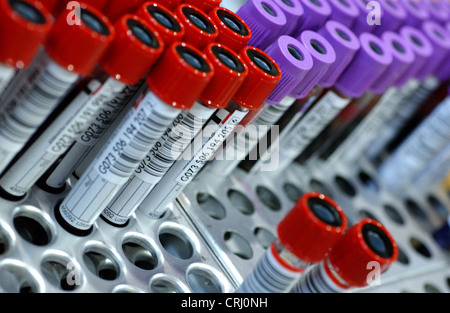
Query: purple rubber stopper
(440, 40)
(293, 10)
(416, 12)
(265, 19)
(402, 58)
(323, 56)
(315, 15)
(343, 11)
(422, 49)
(393, 16)
(345, 44)
(443, 73)
(438, 12)
(360, 25)
(294, 61)
(368, 64)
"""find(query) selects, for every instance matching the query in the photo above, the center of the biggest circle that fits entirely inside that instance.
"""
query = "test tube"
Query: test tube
(52, 76)
(344, 12)
(134, 50)
(263, 76)
(393, 16)
(230, 73)
(438, 12)
(356, 260)
(293, 10)
(304, 236)
(316, 13)
(175, 81)
(416, 13)
(24, 25)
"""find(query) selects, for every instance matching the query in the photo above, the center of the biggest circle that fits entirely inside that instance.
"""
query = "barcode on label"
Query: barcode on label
(315, 281)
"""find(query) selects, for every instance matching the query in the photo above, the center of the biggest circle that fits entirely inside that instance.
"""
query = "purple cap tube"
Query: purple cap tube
(402, 58)
(343, 11)
(294, 61)
(315, 15)
(368, 64)
(438, 12)
(422, 49)
(293, 10)
(345, 44)
(265, 19)
(416, 12)
(323, 55)
(440, 40)
(361, 25)
(443, 72)
(393, 15)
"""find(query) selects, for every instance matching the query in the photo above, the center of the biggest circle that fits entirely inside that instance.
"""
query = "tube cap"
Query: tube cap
(440, 40)
(402, 58)
(344, 12)
(437, 10)
(204, 5)
(422, 48)
(170, 4)
(293, 10)
(345, 44)
(94, 34)
(360, 24)
(313, 225)
(393, 15)
(21, 35)
(416, 12)
(163, 21)
(263, 76)
(230, 73)
(323, 55)
(134, 50)
(200, 30)
(316, 13)
(364, 242)
(233, 31)
(116, 8)
(265, 19)
(50, 5)
(368, 64)
(180, 75)
(294, 61)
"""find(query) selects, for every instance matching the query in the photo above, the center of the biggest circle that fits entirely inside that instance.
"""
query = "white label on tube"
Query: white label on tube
(117, 161)
(6, 74)
(31, 106)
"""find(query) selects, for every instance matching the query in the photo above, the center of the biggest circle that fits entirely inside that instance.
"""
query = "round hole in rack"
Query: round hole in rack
(126, 289)
(437, 206)
(140, 252)
(345, 186)
(203, 278)
(211, 206)
(292, 192)
(363, 213)
(61, 270)
(33, 225)
(101, 261)
(241, 202)
(6, 239)
(420, 247)
(402, 257)
(176, 241)
(415, 210)
(430, 288)
(368, 181)
(268, 198)
(318, 186)
(163, 283)
(264, 237)
(238, 245)
(393, 214)
(17, 277)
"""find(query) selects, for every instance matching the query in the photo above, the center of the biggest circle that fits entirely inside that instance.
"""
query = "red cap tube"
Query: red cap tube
(79, 47)
(170, 4)
(314, 225)
(230, 73)
(99, 4)
(180, 75)
(116, 8)
(263, 76)
(24, 25)
(233, 31)
(165, 22)
(365, 242)
(200, 28)
(204, 5)
(134, 50)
